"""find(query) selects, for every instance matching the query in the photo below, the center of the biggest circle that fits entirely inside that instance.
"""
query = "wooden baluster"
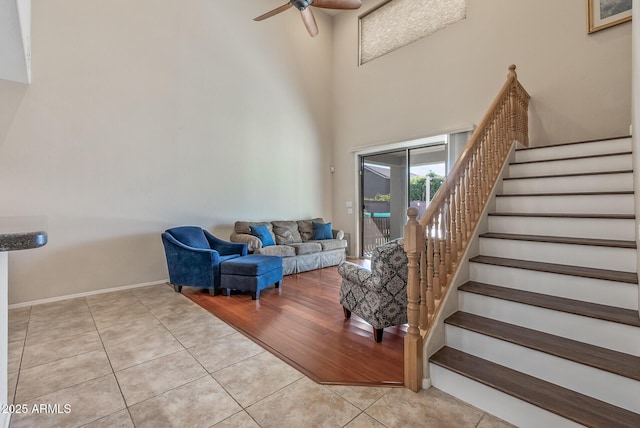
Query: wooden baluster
(459, 221)
(472, 194)
(455, 228)
(436, 257)
(462, 188)
(475, 176)
(430, 273)
(501, 141)
(467, 210)
(424, 311)
(484, 162)
(443, 256)
(492, 152)
(482, 187)
(449, 236)
(496, 145)
(484, 183)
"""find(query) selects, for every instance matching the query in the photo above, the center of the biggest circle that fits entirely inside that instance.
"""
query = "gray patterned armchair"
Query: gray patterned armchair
(379, 295)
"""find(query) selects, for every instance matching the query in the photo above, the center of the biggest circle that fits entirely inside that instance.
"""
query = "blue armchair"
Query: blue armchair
(194, 256)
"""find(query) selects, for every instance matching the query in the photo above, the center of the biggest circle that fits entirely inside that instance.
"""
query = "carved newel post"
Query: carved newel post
(413, 246)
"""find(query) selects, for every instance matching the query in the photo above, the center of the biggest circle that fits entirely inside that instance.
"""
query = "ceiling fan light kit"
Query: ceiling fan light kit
(307, 15)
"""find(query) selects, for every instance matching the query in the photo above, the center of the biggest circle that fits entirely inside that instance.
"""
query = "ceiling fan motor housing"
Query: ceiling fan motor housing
(301, 4)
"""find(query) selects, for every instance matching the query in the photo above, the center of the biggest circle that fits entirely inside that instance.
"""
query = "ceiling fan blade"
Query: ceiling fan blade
(273, 12)
(337, 4)
(310, 22)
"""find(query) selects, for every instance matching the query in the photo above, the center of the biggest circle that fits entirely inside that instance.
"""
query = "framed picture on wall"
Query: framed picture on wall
(607, 13)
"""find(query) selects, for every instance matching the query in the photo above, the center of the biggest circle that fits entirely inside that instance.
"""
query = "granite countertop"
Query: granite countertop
(22, 233)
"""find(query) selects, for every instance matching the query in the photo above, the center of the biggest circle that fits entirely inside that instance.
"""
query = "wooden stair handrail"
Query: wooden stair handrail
(436, 243)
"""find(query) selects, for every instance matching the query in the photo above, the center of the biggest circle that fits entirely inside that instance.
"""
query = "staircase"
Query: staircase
(547, 331)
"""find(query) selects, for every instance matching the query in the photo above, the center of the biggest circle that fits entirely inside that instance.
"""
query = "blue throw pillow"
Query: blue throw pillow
(262, 233)
(322, 231)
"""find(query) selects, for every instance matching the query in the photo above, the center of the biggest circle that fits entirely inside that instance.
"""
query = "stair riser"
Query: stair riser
(569, 227)
(610, 293)
(572, 166)
(619, 337)
(621, 259)
(580, 183)
(571, 150)
(586, 380)
(504, 406)
(573, 204)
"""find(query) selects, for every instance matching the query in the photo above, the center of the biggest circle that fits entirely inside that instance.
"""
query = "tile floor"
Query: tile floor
(149, 357)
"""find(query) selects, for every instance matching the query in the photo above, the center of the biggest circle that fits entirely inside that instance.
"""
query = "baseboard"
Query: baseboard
(85, 294)
(426, 382)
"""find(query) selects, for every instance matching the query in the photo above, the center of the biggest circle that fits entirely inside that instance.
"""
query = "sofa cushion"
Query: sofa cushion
(277, 250)
(305, 227)
(322, 231)
(332, 244)
(262, 232)
(286, 232)
(306, 247)
(245, 226)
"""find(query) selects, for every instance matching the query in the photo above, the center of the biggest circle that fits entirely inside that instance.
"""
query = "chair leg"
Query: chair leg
(278, 284)
(377, 334)
(177, 288)
(255, 295)
(347, 313)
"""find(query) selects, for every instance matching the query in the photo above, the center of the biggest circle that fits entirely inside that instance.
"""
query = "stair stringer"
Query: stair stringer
(435, 338)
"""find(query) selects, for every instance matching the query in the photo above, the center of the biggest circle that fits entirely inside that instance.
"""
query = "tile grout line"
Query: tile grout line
(104, 348)
(24, 344)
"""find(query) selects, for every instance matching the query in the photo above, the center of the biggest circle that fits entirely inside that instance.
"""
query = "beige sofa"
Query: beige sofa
(295, 244)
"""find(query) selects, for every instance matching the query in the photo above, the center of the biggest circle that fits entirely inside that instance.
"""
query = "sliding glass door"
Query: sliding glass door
(392, 181)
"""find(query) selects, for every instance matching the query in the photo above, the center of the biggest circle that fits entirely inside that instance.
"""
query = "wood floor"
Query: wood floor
(303, 324)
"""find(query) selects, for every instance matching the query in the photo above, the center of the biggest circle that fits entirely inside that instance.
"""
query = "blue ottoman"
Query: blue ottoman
(253, 273)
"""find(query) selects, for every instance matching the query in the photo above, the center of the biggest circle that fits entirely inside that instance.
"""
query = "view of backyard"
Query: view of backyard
(424, 182)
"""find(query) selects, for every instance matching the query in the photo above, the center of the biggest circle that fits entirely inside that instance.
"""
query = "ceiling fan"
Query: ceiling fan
(307, 15)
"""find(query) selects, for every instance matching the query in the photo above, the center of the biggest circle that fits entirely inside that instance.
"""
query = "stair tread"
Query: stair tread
(562, 215)
(594, 356)
(562, 240)
(620, 192)
(576, 307)
(553, 398)
(610, 275)
(578, 174)
(572, 158)
(622, 137)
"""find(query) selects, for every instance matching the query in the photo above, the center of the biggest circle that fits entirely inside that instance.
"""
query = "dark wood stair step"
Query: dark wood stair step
(561, 304)
(578, 174)
(583, 353)
(564, 215)
(622, 137)
(604, 155)
(584, 272)
(562, 240)
(553, 398)
(622, 192)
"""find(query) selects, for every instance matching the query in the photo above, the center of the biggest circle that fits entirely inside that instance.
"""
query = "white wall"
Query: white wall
(148, 114)
(580, 84)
